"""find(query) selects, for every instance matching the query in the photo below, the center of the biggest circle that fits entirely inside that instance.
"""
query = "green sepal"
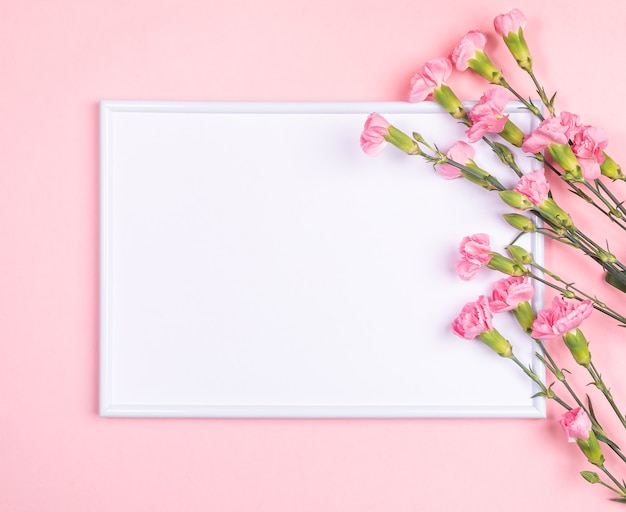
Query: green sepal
(506, 266)
(578, 346)
(402, 141)
(511, 133)
(591, 448)
(611, 169)
(482, 65)
(449, 101)
(525, 316)
(516, 43)
(498, 343)
(565, 157)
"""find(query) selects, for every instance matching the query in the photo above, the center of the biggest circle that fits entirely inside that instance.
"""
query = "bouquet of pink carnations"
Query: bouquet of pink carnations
(569, 151)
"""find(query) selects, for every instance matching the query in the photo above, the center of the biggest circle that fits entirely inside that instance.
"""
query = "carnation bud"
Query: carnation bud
(555, 213)
(479, 176)
(590, 476)
(606, 257)
(516, 199)
(520, 254)
(505, 154)
(520, 222)
(506, 266)
(578, 346)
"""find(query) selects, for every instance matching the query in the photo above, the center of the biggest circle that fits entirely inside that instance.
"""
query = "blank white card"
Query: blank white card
(255, 263)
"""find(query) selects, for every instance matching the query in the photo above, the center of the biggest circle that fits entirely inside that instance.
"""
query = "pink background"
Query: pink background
(58, 59)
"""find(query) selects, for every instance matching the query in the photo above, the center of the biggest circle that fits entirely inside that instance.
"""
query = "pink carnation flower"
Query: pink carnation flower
(508, 293)
(563, 317)
(373, 135)
(487, 116)
(509, 22)
(572, 122)
(534, 186)
(549, 131)
(588, 144)
(432, 75)
(474, 319)
(576, 425)
(460, 152)
(475, 253)
(474, 41)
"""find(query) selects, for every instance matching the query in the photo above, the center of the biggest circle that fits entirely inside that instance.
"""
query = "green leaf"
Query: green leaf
(601, 437)
(590, 407)
(615, 281)
(552, 99)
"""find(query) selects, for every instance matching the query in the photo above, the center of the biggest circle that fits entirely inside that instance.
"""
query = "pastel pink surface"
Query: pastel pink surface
(58, 59)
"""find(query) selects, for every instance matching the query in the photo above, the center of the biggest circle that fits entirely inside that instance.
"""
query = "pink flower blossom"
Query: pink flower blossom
(588, 144)
(549, 131)
(576, 425)
(474, 41)
(563, 317)
(510, 22)
(572, 122)
(475, 253)
(508, 293)
(488, 114)
(474, 319)
(534, 186)
(373, 135)
(432, 75)
(460, 152)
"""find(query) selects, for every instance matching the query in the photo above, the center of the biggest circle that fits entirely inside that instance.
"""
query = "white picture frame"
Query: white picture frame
(255, 263)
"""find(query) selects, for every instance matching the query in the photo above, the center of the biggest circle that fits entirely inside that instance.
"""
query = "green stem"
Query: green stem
(611, 488)
(542, 93)
(619, 485)
(573, 292)
(523, 100)
(545, 391)
(618, 204)
(560, 376)
(599, 383)
(616, 210)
